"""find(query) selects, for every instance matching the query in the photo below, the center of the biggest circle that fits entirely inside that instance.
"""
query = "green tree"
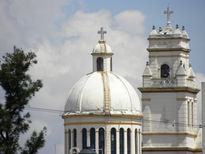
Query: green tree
(19, 89)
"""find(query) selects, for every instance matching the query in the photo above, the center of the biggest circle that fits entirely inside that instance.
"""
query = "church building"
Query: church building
(104, 112)
(169, 102)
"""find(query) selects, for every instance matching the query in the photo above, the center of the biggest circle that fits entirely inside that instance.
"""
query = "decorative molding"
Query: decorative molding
(101, 41)
(171, 149)
(190, 79)
(168, 38)
(187, 99)
(104, 123)
(146, 99)
(138, 116)
(167, 49)
(101, 54)
(162, 78)
(106, 92)
(177, 133)
(168, 89)
(169, 56)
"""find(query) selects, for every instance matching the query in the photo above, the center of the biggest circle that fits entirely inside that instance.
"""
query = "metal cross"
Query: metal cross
(102, 33)
(168, 12)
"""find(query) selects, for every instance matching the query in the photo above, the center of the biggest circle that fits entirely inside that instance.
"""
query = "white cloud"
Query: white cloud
(131, 22)
(24, 22)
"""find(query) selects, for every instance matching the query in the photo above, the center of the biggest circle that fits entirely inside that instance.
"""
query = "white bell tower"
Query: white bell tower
(169, 93)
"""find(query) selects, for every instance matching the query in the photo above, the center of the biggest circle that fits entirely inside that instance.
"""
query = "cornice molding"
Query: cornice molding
(168, 49)
(138, 116)
(168, 38)
(101, 54)
(171, 149)
(171, 133)
(169, 56)
(168, 89)
(103, 123)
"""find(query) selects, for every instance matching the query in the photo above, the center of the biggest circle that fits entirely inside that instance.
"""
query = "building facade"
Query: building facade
(169, 94)
(104, 112)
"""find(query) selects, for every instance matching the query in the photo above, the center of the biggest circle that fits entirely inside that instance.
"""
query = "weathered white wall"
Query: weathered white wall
(203, 114)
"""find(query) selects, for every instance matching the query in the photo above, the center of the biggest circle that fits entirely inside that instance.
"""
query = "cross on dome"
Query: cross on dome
(102, 33)
(168, 12)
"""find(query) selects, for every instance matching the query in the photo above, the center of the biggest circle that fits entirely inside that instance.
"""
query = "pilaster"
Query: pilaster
(125, 141)
(97, 141)
(117, 142)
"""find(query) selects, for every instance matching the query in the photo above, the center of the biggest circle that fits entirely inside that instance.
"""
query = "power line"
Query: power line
(154, 121)
(44, 110)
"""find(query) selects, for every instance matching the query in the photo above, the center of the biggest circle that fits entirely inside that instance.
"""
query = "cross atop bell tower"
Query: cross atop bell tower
(168, 12)
(102, 33)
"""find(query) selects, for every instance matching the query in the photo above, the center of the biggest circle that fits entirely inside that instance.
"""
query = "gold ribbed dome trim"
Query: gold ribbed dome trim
(106, 92)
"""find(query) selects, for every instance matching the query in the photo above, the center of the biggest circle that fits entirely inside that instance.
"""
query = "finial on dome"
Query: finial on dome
(153, 27)
(160, 29)
(177, 26)
(102, 33)
(183, 27)
(168, 12)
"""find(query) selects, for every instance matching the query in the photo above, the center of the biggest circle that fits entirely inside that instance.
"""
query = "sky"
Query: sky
(63, 33)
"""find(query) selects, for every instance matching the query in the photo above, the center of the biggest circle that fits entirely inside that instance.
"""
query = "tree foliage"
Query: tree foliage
(19, 89)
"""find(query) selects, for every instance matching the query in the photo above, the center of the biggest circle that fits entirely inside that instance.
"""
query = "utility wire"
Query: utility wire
(144, 119)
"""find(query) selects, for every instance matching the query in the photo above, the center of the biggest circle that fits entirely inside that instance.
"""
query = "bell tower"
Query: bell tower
(169, 93)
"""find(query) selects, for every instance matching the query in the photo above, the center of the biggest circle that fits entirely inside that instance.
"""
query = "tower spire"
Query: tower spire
(102, 33)
(168, 12)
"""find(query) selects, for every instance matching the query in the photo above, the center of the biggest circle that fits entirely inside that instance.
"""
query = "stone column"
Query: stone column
(107, 140)
(97, 141)
(117, 142)
(71, 138)
(125, 141)
(79, 139)
(66, 142)
(88, 137)
(140, 142)
(132, 135)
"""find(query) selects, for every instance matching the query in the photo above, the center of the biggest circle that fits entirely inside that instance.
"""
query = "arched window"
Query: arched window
(140, 144)
(165, 71)
(121, 141)
(100, 64)
(136, 142)
(101, 141)
(111, 63)
(84, 138)
(74, 138)
(128, 141)
(92, 138)
(69, 139)
(113, 141)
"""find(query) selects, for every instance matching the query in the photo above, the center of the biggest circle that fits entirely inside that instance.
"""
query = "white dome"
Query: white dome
(102, 47)
(89, 93)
